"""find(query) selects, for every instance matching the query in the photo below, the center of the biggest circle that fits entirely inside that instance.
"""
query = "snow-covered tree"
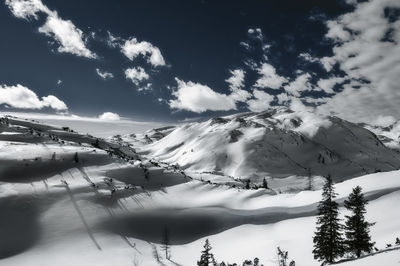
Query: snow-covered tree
(328, 240)
(357, 229)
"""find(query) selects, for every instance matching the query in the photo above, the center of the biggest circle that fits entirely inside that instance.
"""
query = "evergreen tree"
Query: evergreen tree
(207, 258)
(328, 240)
(282, 257)
(247, 186)
(256, 262)
(265, 184)
(76, 158)
(96, 144)
(356, 228)
(166, 243)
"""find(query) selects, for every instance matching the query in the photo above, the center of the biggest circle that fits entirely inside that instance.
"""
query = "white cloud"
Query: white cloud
(104, 74)
(283, 98)
(365, 52)
(136, 75)
(245, 45)
(109, 116)
(261, 102)
(59, 82)
(147, 87)
(199, 98)
(132, 48)
(236, 81)
(53, 102)
(327, 63)
(383, 121)
(269, 78)
(337, 32)
(256, 33)
(240, 95)
(308, 57)
(64, 32)
(301, 83)
(68, 36)
(27, 9)
(311, 122)
(328, 84)
(113, 41)
(21, 97)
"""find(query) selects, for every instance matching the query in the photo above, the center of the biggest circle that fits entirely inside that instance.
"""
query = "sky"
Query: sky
(186, 60)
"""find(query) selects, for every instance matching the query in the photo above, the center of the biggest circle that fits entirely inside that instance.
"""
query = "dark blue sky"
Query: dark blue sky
(199, 41)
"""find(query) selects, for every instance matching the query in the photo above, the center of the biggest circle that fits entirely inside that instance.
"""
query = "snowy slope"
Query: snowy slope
(105, 210)
(272, 144)
(389, 135)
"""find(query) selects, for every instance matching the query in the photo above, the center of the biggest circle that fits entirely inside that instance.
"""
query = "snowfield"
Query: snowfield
(272, 144)
(73, 199)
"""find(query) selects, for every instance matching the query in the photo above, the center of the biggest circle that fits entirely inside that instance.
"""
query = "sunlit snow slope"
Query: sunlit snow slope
(71, 199)
(272, 144)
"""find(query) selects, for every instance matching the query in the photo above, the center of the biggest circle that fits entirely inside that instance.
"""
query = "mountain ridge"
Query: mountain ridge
(276, 143)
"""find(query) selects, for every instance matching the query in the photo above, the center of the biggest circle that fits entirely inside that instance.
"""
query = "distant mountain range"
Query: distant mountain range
(275, 143)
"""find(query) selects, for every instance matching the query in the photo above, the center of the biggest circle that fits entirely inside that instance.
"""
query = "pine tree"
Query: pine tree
(328, 240)
(166, 243)
(282, 257)
(265, 184)
(247, 186)
(207, 258)
(356, 228)
(76, 158)
(96, 143)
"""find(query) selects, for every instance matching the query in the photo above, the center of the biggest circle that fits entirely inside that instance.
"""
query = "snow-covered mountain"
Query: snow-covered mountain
(68, 198)
(389, 135)
(273, 144)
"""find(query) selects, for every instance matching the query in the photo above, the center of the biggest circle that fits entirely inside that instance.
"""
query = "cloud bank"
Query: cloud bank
(367, 49)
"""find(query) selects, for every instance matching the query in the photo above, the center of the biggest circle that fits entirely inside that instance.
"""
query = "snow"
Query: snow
(94, 126)
(274, 144)
(61, 212)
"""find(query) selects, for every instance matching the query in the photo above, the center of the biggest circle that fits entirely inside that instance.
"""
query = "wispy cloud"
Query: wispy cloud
(136, 75)
(69, 38)
(236, 80)
(301, 83)
(260, 102)
(269, 78)
(367, 50)
(104, 74)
